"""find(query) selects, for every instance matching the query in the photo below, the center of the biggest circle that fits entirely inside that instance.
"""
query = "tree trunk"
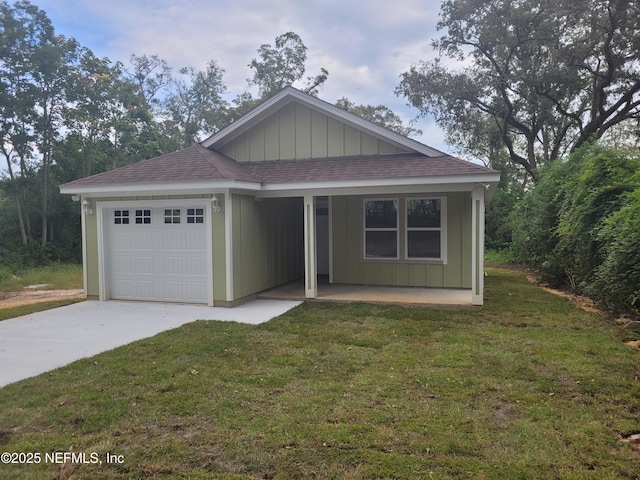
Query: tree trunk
(45, 187)
(16, 196)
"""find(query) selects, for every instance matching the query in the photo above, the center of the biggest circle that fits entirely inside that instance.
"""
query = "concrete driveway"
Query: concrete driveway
(39, 342)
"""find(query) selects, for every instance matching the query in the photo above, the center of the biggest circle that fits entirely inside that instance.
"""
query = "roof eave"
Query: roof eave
(160, 188)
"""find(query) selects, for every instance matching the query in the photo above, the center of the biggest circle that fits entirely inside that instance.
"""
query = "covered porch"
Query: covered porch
(417, 296)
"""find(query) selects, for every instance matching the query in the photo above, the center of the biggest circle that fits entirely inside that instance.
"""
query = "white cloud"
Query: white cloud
(365, 44)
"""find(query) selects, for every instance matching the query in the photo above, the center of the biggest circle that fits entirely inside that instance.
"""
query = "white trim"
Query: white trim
(103, 292)
(330, 219)
(471, 180)
(477, 246)
(310, 267)
(227, 208)
(452, 182)
(365, 190)
(101, 206)
(290, 94)
(83, 226)
(160, 188)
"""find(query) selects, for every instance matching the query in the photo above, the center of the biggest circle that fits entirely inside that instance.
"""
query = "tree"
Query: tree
(381, 115)
(282, 66)
(549, 75)
(195, 105)
(34, 73)
(151, 74)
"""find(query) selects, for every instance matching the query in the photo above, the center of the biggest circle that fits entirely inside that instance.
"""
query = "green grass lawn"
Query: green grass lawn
(529, 386)
(12, 312)
(58, 276)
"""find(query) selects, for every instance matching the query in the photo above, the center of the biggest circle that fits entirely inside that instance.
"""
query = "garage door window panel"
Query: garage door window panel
(143, 217)
(172, 216)
(121, 217)
(195, 215)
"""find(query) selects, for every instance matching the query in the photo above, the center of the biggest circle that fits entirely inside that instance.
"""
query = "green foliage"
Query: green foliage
(381, 115)
(548, 75)
(592, 195)
(535, 218)
(282, 65)
(580, 225)
(617, 280)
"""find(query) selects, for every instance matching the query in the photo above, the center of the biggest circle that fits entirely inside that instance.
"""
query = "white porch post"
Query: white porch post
(310, 274)
(228, 241)
(477, 245)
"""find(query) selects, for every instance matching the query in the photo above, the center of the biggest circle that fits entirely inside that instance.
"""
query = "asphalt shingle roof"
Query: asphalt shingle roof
(195, 163)
(198, 163)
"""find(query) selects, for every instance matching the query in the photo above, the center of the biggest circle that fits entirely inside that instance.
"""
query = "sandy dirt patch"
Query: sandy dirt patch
(28, 296)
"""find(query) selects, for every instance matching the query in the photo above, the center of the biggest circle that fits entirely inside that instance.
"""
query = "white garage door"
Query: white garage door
(157, 254)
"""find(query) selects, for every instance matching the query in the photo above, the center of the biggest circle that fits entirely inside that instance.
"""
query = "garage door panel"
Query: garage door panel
(143, 241)
(195, 266)
(144, 265)
(145, 289)
(174, 266)
(196, 290)
(122, 264)
(122, 288)
(195, 241)
(120, 240)
(174, 291)
(173, 240)
(151, 260)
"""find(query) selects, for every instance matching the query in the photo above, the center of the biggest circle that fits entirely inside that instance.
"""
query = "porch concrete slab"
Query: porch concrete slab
(375, 294)
(39, 342)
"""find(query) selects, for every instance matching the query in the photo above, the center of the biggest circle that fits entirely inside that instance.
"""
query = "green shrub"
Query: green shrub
(617, 280)
(591, 197)
(535, 220)
(580, 224)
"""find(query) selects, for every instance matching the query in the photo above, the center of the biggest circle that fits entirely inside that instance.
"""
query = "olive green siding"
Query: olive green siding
(268, 243)
(297, 131)
(350, 267)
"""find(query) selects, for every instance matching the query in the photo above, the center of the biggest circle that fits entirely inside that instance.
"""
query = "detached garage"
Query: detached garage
(295, 189)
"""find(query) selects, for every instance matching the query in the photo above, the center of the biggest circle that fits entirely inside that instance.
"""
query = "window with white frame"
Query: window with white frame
(143, 217)
(171, 215)
(195, 215)
(424, 228)
(381, 228)
(121, 217)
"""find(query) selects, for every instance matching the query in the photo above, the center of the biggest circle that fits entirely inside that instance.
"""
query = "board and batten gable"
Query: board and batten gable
(350, 266)
(297, 131)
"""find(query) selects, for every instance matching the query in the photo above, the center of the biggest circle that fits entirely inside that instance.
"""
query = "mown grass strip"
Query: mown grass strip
(12, 312)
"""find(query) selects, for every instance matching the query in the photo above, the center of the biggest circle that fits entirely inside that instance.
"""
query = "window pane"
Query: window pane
(381, 245)
(422, 244)
(423, 213)
(381, 214)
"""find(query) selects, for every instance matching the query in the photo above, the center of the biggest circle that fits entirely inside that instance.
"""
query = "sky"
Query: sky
(364, 44)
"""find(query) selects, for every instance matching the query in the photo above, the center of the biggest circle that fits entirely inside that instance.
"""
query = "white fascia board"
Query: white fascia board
(182, 188)
(289, 94)
(470, 180)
